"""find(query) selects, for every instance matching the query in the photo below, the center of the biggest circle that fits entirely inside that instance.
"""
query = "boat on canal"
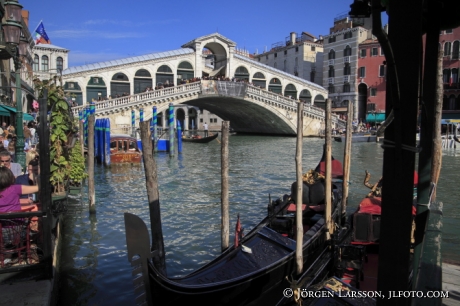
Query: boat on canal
(199, 139)
(124, 149)
(254, 270)
(357, 137)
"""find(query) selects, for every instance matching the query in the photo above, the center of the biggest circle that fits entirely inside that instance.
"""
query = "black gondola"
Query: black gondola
(253, 271)
(200, 139)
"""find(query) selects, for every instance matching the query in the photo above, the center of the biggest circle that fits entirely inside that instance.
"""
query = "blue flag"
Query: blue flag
(40, 34)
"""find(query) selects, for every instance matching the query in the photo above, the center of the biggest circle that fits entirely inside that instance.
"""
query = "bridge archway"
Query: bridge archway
(220, 56)
(184, 72)
(95, 88)
(320, 101)
(142, 81)
(241, 73)
(305, 96)
(180, 116)
(290, 91)
(258, 79)
(74, 89)
(164, 76)
(119, 86)
(275, 86)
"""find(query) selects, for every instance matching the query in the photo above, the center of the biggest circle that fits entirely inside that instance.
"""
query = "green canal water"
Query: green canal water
(95, 268)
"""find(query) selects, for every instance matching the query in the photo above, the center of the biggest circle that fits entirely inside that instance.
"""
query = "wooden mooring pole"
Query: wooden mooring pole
(91, 188)
(346, 159)
(153, 194)
(299, 191)
(225, 232)
(328, 191)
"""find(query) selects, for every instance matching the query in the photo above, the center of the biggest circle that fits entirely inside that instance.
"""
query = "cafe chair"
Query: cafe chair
(14, 241)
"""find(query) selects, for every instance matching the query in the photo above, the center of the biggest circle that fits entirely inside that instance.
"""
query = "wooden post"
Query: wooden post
(298, 215)
(346, 159)
(328, 212)
(225, 233)
(151, 182)
(430, 140)
(91, 188)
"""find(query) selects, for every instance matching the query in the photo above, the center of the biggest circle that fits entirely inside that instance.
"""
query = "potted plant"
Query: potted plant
(77, 169)
(61, 124)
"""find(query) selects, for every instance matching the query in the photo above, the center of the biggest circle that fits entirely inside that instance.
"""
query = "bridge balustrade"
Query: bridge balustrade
(208, 87)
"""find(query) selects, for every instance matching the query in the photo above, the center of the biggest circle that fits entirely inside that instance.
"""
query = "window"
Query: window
(381, 70)
(285, 66)
(362, 52)
(201, 120)
(296, 49)
(274, 65)
(381, 51)
(313, 48)
(331, 88)
(331, 39)
(456, 50)
(331, 54)
(258, 59)
(447, 48)
(346, 87)
(362, 72)
(370, 107)
(445, 76)
(375, 51)
(45, 63)
(36, 62)
(347, 69)
(95, 80)
(71, 85)
(347, 35)
(285, 52)
(59, 64)
(373, 92)
(331, 73)
(275, 55)
(347, 51)
(449, 31)
(266, 57)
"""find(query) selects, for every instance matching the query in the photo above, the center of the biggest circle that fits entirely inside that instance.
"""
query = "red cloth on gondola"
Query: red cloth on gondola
(373, 206)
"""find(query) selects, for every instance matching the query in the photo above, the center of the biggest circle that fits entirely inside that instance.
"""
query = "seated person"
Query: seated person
(10, 193)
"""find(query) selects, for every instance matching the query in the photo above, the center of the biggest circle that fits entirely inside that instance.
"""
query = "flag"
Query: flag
(40, 35)
(238, 232)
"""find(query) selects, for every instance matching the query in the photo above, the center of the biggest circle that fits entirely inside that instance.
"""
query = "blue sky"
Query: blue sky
(100, 30)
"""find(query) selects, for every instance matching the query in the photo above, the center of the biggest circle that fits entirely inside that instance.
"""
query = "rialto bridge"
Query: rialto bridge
(254, 97)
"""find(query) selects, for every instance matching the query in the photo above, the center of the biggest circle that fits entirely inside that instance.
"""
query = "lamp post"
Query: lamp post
(12, 34)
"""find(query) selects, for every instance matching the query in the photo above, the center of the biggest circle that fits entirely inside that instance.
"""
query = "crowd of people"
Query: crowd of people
(18, 186)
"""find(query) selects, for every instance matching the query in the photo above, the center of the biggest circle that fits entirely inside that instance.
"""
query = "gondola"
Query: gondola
(255, 269)
(199, 139)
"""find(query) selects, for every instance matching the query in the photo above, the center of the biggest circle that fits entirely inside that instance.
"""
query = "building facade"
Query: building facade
(300, 55)
(49, 61)
(371, 81)
(341, 62)
(449, 42)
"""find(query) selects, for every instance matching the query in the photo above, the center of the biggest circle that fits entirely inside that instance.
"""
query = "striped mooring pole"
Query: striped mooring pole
(154, 125)
(141, 115)
(171, 129)
(133, 123)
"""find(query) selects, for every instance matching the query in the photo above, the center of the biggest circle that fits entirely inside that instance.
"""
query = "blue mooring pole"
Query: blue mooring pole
(171, 129)
(179, 137)
(154, 124)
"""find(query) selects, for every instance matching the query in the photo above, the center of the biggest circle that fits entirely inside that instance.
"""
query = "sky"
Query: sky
(102, 30)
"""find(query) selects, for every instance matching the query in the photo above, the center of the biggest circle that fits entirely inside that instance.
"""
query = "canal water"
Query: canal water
(94, 264)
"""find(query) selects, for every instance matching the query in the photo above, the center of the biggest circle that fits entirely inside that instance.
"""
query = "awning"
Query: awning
(27, 117)
(6, 110)
(377, 117)
(339, 110)
(446, 121)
